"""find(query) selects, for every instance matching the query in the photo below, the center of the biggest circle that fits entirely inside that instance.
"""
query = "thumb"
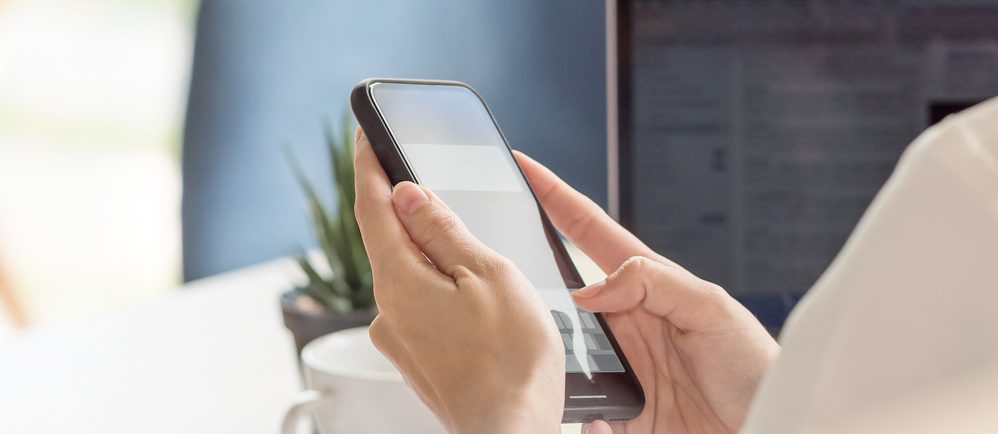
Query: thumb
(685, 300)
(435, 229)
(597, 427)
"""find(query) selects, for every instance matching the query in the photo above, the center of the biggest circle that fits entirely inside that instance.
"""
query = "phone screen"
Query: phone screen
(453, 146)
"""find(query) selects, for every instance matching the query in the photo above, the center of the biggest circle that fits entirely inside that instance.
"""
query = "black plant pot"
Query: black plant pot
(307, 320)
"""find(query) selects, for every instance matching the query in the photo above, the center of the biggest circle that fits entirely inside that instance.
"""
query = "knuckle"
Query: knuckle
(714, 289)
(464, 275)
(581, 224)
(482, 266)
(639, 261)
(483, 262)
(378, 331)
(450, 236)
(440, 225)
(495, 262)
(446, 223)
(382, 335)
(719, 302)
(360, 207)
(634, 264)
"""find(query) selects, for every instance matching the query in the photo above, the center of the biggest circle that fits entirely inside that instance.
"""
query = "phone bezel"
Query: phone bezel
(624, 394)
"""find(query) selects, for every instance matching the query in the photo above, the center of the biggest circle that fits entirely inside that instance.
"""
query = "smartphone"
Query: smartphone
(442, 135)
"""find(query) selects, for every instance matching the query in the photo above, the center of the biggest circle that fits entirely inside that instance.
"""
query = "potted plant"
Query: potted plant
(339, 293)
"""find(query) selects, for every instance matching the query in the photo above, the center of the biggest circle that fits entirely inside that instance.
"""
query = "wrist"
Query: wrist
(516, 414)
(511, 421)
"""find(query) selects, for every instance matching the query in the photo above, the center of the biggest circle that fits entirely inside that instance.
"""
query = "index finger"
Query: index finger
(387, 243)
(582, 221)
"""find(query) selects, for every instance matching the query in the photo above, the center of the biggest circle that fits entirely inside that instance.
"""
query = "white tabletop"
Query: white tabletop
(212, 358)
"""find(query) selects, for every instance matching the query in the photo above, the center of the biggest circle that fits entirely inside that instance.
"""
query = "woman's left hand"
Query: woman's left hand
(462, 324)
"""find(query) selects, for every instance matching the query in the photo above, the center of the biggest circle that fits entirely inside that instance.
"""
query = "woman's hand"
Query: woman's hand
(465, 328)
(698, 353)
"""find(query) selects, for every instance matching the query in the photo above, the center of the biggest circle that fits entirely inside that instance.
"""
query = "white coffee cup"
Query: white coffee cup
(352, 388)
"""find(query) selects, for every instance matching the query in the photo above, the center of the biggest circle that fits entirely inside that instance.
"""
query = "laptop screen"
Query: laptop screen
(751, 136)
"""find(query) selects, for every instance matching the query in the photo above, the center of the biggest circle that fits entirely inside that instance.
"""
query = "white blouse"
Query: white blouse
(900, 334)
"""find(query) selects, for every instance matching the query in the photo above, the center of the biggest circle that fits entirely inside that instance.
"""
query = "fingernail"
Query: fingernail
(590, 290)
(408, 197)
(585, 429)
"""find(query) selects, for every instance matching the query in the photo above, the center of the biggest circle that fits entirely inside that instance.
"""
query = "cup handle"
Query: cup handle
(305, 402)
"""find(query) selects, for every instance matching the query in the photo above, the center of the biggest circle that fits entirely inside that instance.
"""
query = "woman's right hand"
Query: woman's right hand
(698, 353)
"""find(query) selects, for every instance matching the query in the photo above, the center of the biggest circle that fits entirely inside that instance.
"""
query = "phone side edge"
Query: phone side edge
(369, 118)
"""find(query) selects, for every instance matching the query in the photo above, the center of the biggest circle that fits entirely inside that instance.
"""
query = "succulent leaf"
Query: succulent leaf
(336, 231)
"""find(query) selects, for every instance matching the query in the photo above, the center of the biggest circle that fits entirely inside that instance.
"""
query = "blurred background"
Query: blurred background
(141, 142)
(92, 99)
(110, 109)
(143, 170)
